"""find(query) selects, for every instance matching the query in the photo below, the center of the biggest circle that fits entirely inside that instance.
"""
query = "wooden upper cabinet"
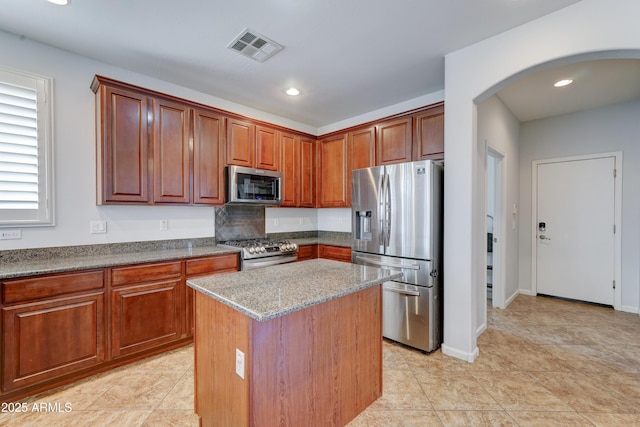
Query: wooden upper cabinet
(362, 145)
(267, 148)
(428, 134)
(171, 157)
(240, 143)
(122, 145)
(208, 157)
(307, 180)
(290, 168)
(333, 175)
(393, 143)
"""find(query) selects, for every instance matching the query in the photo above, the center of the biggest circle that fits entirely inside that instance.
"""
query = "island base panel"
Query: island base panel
(321, 365)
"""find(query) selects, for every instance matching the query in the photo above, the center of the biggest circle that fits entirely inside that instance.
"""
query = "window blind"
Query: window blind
(18, 147)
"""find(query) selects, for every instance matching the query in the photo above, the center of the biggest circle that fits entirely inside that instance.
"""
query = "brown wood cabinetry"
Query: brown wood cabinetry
(60, 327)
(306, 252)
(51, 326)
(290, 168)
(240, 143)
(362, 145)
(333, 172)
(171, 157)
(393, 143)
(143, 148)
(337, 253)
(307, 176)
(252, 146)
(123, 147)
(197, 267)
(208, 157)
(428, 134)
(146, 306)
(267, 148)
(297, 167)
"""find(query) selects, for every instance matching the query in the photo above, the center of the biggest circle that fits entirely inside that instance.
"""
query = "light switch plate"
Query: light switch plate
(240, 363)
(97, 227)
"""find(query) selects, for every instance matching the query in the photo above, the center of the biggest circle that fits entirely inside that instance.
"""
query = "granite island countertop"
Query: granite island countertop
(267, 293)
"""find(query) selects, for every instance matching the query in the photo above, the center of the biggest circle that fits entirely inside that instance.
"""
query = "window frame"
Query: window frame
(45, 216)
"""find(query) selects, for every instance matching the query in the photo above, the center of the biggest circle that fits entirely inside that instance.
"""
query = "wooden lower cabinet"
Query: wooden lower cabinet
(306, 252)
(61, 327)
(145, 316)
(48, 330)
(205, 266)
(337, 253)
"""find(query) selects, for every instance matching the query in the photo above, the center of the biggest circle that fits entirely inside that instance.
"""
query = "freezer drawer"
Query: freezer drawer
(410, 315)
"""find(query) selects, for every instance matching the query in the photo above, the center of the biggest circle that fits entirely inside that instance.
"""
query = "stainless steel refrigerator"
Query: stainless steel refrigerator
(397, 225)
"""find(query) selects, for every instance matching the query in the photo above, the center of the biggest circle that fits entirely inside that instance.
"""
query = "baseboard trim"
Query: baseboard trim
(629, 309)
(526, 292)
(459, 354)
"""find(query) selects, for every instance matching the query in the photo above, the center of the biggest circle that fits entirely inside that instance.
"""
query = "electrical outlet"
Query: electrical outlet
(240, 363)
(97, 227)
(164, 225)
(10, 234)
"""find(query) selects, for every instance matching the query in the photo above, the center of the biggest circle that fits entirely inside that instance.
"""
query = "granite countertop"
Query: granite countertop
(33, 267)
(267, 293)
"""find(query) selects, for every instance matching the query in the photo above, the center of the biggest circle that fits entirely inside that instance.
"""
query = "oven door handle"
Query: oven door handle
(388, 264)
(249, 264)
(402, 291)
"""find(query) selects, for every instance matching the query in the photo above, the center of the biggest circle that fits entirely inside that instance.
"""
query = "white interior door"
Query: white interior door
(575, 229)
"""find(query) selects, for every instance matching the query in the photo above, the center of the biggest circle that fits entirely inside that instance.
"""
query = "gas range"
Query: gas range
(263, 252)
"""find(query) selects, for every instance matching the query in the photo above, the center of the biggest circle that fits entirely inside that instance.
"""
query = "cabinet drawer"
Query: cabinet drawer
(145, 273)
(20, 290)
(212, 264)
(338, 253)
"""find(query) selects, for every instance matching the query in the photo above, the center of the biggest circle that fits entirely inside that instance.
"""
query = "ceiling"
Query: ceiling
(347, 57)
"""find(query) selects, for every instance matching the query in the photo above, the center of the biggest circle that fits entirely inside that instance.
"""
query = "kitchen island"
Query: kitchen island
(290, 345)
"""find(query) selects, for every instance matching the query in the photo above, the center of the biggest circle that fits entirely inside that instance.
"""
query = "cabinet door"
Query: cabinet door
(334, 173)
(45, 340)
(123, 146)
(267, 148)
(337, 253)
(145, 316)
(362, 145)
(307, 174)
(208, 157)
(393, 144)
(290, 169)
(240, 143)
(429, 134)
(306, 252)
(171, 172)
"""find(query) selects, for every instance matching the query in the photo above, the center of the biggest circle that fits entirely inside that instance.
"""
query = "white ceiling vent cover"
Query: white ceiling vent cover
(254, 45)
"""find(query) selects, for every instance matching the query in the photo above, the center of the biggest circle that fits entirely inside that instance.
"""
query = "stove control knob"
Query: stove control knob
(251, 250)
(262, 249)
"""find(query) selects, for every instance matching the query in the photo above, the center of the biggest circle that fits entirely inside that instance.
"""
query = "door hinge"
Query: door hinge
(614, 229)
(614, 284)
(615, 173)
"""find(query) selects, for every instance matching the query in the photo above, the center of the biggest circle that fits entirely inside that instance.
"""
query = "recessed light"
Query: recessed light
(59, 2)
(562, 83)
(292, 91)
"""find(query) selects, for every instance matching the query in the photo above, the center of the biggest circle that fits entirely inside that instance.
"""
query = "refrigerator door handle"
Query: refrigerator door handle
(388, 209)
(381, 206)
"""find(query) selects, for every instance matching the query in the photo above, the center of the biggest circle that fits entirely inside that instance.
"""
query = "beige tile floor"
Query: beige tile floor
(543, 362)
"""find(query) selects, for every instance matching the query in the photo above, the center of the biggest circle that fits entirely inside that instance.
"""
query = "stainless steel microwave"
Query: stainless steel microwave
(250, 186)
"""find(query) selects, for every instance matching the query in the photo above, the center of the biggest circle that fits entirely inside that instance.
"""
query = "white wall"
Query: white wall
(476, 72)
(600, 130)
(499, 130)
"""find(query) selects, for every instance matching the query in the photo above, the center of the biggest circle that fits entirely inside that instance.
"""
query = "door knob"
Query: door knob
(543, 237)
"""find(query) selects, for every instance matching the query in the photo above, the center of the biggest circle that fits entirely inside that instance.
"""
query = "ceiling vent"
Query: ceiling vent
(255, 45)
